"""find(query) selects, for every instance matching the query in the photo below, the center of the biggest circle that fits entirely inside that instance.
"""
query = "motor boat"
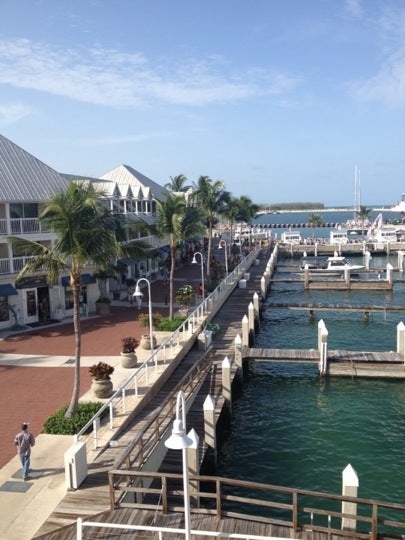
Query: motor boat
(328, 265)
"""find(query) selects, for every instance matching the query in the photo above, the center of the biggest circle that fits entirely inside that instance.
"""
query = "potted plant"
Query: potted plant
(145, 338)
(103, 305)
(102, 385)
(128, 356)
(185, 296)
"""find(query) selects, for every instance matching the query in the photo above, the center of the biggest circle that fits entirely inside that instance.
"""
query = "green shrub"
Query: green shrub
(167, 325)
(57, 424)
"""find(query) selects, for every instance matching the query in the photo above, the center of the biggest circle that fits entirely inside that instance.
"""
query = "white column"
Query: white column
(400, 338)
(245, 331)
(209, 424)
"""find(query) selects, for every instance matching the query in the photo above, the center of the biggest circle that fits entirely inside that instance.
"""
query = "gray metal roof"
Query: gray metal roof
(124, 174)
(24, 178)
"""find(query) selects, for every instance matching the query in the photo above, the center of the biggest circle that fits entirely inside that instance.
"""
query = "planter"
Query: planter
(145, 342)
(102, 389)
(128, 360)
(102, 308)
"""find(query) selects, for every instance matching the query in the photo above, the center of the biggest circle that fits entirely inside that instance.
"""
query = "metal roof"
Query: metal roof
(124, 174)
(24, 178)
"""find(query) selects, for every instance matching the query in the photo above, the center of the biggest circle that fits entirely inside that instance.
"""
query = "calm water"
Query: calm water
(295, 429)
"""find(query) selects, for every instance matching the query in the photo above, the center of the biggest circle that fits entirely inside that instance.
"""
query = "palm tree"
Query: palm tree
(363, 214)
(230, 213)
(247, 212)
(87, 233)
(314, 220)
(211, 198)
(178, 221)
(177, 184)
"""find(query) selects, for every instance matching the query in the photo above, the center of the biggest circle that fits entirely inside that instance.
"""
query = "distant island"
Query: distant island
(278, 207)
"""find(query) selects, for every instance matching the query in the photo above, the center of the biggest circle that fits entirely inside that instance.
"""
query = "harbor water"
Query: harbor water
(293, 428)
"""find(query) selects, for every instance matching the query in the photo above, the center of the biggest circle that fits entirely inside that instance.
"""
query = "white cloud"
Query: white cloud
(116, 79)
(388, 85)
(354, 8)
(11, 114)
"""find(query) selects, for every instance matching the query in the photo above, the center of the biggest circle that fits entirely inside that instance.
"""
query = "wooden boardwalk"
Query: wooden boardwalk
(93, 495)
(312, 356)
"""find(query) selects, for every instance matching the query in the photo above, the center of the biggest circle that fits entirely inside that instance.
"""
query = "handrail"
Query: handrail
(81, 524)
(164, 414)
(203, 312)
(290, 507)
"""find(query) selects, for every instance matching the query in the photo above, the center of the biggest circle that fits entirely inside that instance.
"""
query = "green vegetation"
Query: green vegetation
(57, 424)
(170, 325)
(293, 206)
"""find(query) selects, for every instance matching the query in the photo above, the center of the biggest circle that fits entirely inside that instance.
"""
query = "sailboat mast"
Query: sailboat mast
(357, 196)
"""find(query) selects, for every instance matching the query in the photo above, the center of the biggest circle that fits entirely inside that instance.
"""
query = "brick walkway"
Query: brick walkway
(34, 393)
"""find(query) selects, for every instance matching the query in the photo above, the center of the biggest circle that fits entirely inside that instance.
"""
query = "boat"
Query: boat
(381, 234)
(291, 237)
(329, 265)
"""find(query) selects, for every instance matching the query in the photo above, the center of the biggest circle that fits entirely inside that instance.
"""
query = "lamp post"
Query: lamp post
(226, 254)
(138, 295)
(194, 261)
(178, 440)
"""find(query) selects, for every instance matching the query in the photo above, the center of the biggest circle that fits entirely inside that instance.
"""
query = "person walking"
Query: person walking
(24, 440)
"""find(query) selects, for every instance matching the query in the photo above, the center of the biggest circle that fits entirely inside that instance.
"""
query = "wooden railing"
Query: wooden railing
(149, 436)
(295, 508)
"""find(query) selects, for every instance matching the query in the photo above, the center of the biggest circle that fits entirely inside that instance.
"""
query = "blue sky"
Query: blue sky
(280, 99)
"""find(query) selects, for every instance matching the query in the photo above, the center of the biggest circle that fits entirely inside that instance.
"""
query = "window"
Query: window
(24, 210)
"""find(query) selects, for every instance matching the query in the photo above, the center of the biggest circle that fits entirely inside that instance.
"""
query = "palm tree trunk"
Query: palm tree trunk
(71, 410)
(171, 280)
(209, 252)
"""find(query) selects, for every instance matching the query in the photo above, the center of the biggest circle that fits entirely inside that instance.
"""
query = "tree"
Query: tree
(363, 214)
(212, 198)
(178, 221)
(230, 213)
(247, 212)
(86, 233)
(177, 184)
(314, 220)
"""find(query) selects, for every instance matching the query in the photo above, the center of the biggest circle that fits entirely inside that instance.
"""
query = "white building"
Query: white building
(25, 184)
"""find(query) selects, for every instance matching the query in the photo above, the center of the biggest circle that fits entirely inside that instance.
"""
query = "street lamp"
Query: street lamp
(178, 440)
(226, 254)
(194, 261)
(138, 296)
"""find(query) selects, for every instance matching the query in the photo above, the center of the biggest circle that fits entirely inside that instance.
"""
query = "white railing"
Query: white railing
(160, 531)
(117, 402)
(3, 226)
(4, 266)
(26, 226)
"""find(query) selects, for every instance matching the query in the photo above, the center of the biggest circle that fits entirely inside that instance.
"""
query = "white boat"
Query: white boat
(380, 234)
(291, 237)
(329, 265)
(338, 237)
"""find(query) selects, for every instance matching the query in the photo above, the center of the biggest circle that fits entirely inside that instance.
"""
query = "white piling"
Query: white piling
(263, 287)
(245, 331)
(193, 460)
(400, 339)
(209, 424)
(251, 318)
(401, 261)
(390, 269)
(367, 257)
(227, 383)
(350, 486)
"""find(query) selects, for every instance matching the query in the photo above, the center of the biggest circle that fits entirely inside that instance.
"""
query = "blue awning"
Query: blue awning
(85, 279)
(7, 290)
(127, 261)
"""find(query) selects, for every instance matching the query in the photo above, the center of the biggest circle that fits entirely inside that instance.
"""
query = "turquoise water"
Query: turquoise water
(295, 429)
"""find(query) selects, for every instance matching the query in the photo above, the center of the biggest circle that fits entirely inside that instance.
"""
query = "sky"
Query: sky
(279, 99)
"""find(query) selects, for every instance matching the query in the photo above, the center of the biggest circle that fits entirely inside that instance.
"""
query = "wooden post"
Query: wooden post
(400, 339)
(347, 276)
(209, 425)
(263, 287)
(350, 485)
(367, 257)
(256, 305)
(401, 261)
(323, 353)
(227, 384)
(321, 326)
(251, 319)
(389, 272)
(193, 459)
(245, 331)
